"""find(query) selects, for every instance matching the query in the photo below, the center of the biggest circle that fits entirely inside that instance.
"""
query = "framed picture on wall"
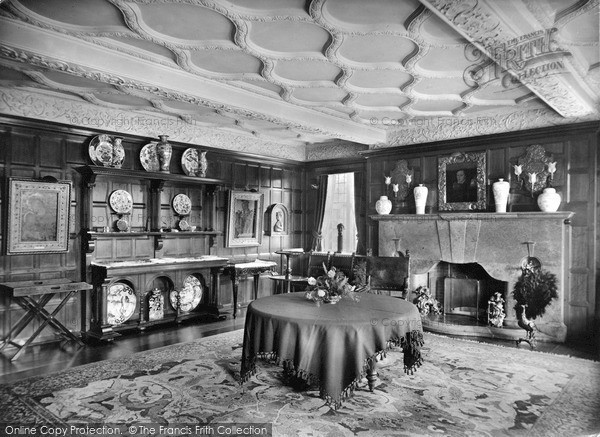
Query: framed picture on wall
(244, 219)
(38, 216)
(462, 182)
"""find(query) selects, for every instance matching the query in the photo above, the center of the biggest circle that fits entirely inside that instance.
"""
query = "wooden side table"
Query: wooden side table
(287, 278)
(24, 292)
(242, 270)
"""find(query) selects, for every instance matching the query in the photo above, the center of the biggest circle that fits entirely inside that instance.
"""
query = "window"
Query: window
(339, 208)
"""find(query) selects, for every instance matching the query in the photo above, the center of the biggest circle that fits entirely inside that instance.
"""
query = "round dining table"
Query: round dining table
(332, 345)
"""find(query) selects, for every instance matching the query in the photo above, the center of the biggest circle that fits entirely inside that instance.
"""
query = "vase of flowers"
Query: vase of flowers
(330, 287)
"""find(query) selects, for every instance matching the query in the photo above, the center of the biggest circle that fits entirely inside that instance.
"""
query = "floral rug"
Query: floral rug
(463, 388)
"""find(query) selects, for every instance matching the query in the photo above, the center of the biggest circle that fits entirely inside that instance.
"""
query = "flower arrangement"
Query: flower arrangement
(425, 302)
(330, 287)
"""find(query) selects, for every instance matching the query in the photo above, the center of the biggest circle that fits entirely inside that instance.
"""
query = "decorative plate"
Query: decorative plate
(148, 158)
(189, 162)
(184, 225)
(121, 201)
(122, 225)
(189, 297)
(182, 204)
(120, 303)
(101, 150)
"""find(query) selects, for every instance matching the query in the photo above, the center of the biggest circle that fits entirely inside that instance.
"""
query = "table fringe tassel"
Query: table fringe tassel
(410, 344)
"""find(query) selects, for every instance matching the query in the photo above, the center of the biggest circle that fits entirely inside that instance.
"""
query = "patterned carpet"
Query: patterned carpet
(464, 388)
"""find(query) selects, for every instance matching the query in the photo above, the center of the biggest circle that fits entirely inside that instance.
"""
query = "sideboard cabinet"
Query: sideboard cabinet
(146, 268)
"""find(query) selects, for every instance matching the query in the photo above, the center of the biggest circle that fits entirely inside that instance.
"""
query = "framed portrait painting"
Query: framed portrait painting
(244, 219)
(38, 216)
(462, 182)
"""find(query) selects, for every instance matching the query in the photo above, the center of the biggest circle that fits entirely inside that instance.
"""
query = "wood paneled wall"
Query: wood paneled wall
(36, 149)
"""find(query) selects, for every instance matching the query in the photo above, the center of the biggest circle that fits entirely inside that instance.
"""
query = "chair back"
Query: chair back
(316, 261)
(344, 262)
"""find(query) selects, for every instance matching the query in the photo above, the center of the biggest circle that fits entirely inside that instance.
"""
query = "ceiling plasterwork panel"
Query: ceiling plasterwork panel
(312, 75)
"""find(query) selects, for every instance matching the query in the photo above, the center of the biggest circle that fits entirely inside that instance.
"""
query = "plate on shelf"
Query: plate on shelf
(121, 201)
(184, 225)
(148, 158)
(189, 297)
(101, 150)
(182, 204)
(122, 225)
(189, 162)
(120, 303)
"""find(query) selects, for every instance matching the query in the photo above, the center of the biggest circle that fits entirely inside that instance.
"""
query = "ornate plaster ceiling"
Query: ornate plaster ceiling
(301, 79)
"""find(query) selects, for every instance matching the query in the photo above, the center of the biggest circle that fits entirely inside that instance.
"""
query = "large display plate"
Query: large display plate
(189, 297)
(148, 158)
(120, 303)
(101, 150)
(121, 202)
(182, 204)
(189, 162)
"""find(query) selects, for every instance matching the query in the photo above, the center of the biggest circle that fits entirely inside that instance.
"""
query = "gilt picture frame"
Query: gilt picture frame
(37, 216)
(244, 219)
(462, 182)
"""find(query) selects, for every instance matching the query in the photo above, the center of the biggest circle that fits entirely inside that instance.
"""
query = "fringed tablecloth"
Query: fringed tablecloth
(333, 345)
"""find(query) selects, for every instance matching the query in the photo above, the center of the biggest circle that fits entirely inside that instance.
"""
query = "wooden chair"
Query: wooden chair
(389, 275)
(344, 262)
(316, 261)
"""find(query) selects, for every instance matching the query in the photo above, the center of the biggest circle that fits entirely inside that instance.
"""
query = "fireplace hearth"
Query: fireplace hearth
(498, 242)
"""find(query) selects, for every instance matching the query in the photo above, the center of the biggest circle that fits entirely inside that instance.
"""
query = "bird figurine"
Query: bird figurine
(528, 326)
(533, 292)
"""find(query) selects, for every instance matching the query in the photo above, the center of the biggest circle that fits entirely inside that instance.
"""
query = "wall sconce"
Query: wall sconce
(552, 169)
(532, 180)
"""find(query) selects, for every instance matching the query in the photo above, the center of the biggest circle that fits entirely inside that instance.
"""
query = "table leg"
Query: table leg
(372, 374)
(48, 319)
(235, 280)
(288, 273)
(24, 320)
(256, 279)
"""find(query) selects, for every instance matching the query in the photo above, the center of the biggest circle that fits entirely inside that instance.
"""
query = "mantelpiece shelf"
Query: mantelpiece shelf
(151, 234)
(533, 215)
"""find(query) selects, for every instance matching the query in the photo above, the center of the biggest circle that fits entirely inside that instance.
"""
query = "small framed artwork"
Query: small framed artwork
(244, 219)
(38, 216)
(462, 182)
(277, 220)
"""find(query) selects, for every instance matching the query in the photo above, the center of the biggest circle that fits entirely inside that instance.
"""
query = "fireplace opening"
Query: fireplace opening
(465, 289)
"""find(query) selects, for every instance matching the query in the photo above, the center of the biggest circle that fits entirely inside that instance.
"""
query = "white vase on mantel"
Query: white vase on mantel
(549, 200)
(420, 193)
(383, 206)
(501, 190)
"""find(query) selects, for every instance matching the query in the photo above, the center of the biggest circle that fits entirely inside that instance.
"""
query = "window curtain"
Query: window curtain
(359, 212)
(319, 213)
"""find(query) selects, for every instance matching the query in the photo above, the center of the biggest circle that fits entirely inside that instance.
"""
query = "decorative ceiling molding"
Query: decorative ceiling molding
(57, 109)
(546, 68)
(327, 73)
(447, 128)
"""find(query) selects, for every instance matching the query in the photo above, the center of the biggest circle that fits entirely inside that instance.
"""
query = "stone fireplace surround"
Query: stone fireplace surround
(496, 241)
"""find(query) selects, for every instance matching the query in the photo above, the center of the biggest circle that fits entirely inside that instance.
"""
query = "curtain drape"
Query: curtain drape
(359, 212)
(319, 213)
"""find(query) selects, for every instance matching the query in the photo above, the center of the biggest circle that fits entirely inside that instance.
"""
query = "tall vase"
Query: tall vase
(549, 200)
(420, 193)
(202, 164)
(383, 206)
(164, 152)
(118, 152)
(501, 190)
